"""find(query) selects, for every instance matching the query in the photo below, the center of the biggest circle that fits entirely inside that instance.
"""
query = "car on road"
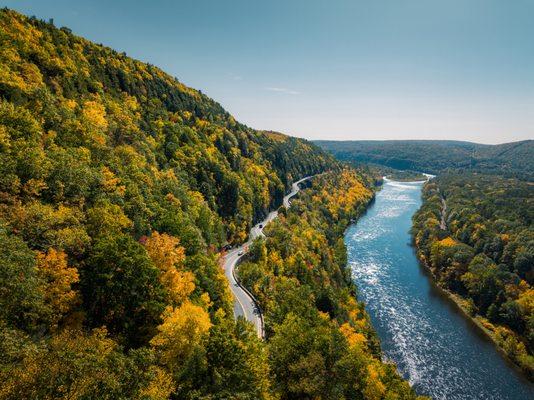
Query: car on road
(261, 226)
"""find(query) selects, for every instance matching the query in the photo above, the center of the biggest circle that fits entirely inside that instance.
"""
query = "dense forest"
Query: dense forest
(118, 188)
(320, 342)
(437, 156)
(475, 232)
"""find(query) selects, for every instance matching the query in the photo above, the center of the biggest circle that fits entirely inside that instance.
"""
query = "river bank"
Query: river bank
(440, 352)
(482, 324)
(484, 284)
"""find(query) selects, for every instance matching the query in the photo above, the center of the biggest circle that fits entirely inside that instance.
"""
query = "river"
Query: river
(435, 347)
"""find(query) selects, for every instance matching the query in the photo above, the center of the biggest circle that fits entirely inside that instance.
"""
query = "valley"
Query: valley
(153, 247)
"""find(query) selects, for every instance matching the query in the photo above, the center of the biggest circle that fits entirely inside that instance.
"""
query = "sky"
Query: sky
(334, 69)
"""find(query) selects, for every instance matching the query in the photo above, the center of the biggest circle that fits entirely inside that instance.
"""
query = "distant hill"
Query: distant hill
(435, 156)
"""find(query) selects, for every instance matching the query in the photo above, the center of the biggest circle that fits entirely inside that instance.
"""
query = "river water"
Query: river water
(440, 352)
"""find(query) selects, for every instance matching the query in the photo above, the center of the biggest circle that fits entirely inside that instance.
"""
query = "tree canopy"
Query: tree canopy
(484, 253)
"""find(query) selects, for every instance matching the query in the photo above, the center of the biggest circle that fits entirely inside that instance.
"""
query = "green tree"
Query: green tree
(483, 282)
(121, 289)
(21, 298)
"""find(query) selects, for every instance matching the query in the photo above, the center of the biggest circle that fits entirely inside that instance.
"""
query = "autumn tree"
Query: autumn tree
(182, 334)
(168, 256)
(75, 365)
(121, 289)
(58, 279)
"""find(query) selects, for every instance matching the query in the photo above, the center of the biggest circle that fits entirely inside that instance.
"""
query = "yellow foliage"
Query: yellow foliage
(193, 194)
(200, 123)
(526, 301)
(111, 183)
(183, 329)
(95, 113)
(31, 75)
(179, 284)
(166, 253)
(164, 250)
(447, 242)
(160, 386)
(131, 102)
(70, 104)
(374, 389)
(75, 365)
(346, 195)
(59, 228)
(354, 338)
(107, 218)
(58, 277)
(275, 136)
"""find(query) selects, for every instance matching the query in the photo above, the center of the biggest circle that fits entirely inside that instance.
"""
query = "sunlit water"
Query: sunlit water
(436, 348)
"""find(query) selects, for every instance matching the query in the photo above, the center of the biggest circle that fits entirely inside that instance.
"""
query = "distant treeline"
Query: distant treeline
(437, 156)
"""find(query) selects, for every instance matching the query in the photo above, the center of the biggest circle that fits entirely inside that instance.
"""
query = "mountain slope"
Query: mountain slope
(82, 95)
(435, 156)
(118, 187)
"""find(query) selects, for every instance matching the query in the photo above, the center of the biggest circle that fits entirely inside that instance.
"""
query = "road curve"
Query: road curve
(245, 305)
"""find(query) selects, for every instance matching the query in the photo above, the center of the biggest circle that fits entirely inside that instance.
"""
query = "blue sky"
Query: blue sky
(337, 69)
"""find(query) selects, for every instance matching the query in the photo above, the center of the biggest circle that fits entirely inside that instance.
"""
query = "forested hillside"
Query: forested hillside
(320, 341)
(437, 156)
(476, 234)
(118, 187)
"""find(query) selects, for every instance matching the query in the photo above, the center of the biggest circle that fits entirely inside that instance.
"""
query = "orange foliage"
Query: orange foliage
(111, 183)
(447, 242)
(164, 250)
(354, 338)
(374, 389)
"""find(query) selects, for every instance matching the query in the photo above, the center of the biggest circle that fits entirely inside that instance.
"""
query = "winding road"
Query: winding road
(245, 305)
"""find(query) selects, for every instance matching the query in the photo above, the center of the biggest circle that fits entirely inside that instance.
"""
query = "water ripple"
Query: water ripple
(433, 346)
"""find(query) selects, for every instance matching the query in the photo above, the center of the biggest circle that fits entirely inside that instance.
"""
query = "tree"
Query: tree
(524, 261)
(303, 356)
(229, 196)
(182, 333)
(168, 256)
(233, 364)
(510, 314)
(21, 298)
(58, 279)
(121, 289)
(105, 218)
(78, 366)
(482, 282)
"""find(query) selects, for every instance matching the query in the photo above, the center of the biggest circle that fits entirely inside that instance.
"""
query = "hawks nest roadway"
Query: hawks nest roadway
(245, 305)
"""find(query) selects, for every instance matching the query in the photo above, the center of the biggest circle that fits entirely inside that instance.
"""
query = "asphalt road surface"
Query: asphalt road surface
(245, 305)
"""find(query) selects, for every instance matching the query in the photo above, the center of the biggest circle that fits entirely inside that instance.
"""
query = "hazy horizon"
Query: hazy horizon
(349, 70)
(417, 140)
